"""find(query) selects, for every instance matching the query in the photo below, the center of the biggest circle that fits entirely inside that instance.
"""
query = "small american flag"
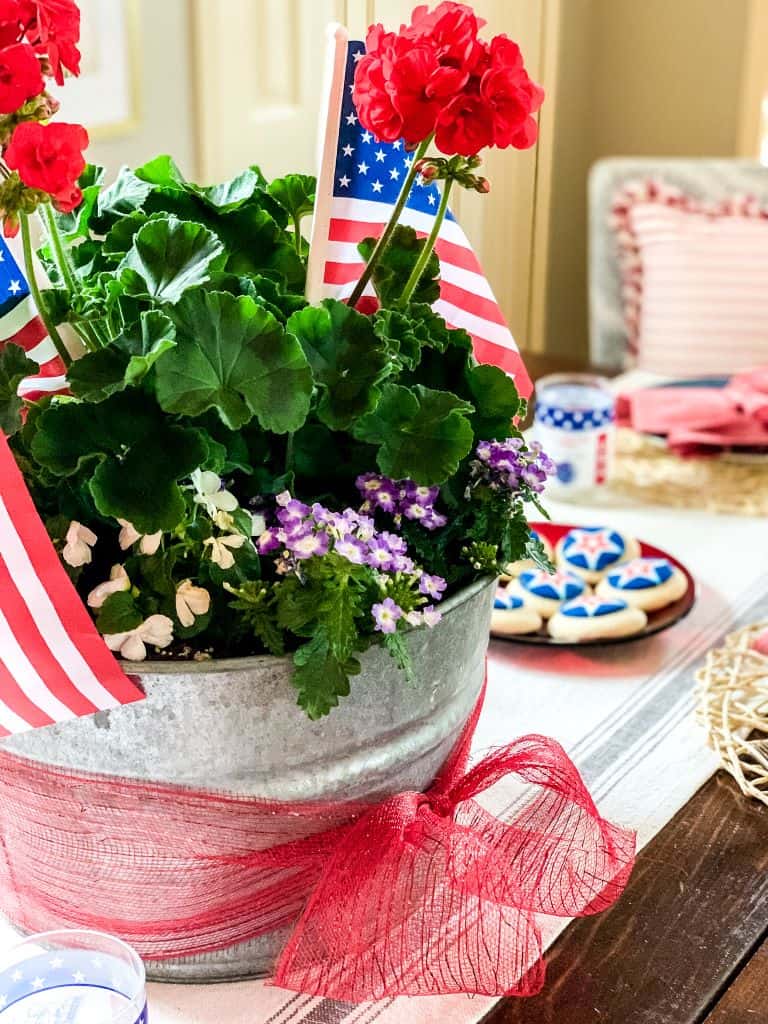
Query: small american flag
(20, 325)
(54, 666)
(362, 176)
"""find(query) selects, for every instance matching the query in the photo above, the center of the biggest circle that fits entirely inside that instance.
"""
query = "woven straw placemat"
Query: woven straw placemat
(647, 471)
(733, 708)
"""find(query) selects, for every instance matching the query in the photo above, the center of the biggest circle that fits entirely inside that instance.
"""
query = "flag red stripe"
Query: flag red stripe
(24, 628)
(29, 335)
(449, 252)
(507, 359)
(13, 697)
(65, 599)
(486, 309)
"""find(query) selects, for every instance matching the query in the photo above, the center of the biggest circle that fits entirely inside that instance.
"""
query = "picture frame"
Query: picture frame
(106, 96)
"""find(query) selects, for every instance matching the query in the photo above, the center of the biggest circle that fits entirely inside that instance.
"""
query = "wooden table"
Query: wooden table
(688, 942)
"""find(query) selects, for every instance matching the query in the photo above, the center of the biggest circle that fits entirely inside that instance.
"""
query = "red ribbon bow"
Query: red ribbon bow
(425, 893)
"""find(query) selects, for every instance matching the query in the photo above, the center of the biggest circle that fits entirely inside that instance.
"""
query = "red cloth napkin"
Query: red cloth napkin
(698, 421)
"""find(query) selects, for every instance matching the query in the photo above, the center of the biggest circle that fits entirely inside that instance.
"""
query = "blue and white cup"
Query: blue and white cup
(575, 422)
(72, 977)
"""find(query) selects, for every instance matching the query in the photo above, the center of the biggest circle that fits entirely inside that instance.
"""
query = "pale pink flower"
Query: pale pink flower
(157, 630)
(222, 547)
(79, 541)
(149, 542)
(191, 601)
(117, 582)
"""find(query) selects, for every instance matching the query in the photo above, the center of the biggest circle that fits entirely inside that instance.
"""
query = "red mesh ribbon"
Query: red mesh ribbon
(422, 894)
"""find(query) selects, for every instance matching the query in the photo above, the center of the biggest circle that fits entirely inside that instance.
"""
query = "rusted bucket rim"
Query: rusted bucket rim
(171, 667)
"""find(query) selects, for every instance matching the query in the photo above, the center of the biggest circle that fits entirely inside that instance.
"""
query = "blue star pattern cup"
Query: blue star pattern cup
(72, 977)
(574, 421)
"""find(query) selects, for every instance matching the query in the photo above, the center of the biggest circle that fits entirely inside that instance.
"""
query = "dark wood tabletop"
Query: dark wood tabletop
(688, 941)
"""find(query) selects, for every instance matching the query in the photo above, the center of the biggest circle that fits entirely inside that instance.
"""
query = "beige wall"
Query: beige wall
(166, 109)
(636, 77)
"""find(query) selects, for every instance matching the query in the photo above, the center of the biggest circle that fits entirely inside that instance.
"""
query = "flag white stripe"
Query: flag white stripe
(26, 675)
(45, 615)
(486, 329)
(368, 212)
(18, 317)
(10, 721)
(44, 352)
(57, 383)
(346, 252)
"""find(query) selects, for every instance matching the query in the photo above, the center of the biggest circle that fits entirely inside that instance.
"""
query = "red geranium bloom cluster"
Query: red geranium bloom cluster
(38, 39)
(437, 75)
(50, 157)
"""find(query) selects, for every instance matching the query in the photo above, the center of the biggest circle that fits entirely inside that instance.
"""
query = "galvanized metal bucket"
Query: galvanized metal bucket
(233, 725)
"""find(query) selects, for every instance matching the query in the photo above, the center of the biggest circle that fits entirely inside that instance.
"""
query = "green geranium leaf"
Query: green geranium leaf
(163, 171)
(395, 266)
(120, 236)
(230, 195)
(168, 256)
(118, 614)
(402, 333)
(348, 359)
(233, 356)
(97, 375)
(295, 193)
(14, 367)
(268, 293)
(125, 362)
(142, 486)
(157, 336)
(126, 194)
(495, 399)
(422, 434)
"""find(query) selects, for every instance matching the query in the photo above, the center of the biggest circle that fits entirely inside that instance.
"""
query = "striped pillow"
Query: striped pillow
(694, 281)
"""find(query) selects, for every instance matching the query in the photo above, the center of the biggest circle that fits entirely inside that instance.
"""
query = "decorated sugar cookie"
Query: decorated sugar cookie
(647, 583)
(590, 551)
(511, 616)
(544, 591)
(592, 617)
(515, 568)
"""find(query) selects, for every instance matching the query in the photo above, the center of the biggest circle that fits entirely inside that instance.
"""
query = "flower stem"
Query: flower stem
(85, 330)
(53, 334)
(421, 263)
(397, 209)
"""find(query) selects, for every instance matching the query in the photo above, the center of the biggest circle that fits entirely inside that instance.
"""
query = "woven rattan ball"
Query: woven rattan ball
(733, 708)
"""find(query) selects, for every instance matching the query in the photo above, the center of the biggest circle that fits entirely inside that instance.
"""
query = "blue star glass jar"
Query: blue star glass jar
(575, 422)
(72, 977)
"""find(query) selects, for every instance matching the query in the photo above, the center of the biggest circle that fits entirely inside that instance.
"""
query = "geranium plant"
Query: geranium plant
(234, 470)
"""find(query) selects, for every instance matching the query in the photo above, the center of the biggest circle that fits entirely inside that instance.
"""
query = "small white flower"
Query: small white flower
(210, 494)
(79, 541)
(258, 524)
(224, 521)
(191, 601)
(221, 552)
(156, 630)
(149, 542)
(118, 581)
(414, 618)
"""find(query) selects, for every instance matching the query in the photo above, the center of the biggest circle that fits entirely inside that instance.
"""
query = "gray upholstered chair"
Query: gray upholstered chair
(708, 179)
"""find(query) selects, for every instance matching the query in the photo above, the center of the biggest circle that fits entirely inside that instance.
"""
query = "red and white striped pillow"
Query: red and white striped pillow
(694, 280)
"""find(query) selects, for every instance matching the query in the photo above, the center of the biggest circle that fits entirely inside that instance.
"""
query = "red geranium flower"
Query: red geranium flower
(20, 77)
(451, 31)
(14, 17)
(465, 126)
(49, 157)
(54, 31)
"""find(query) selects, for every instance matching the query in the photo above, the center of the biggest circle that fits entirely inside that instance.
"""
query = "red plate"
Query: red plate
(657, 621)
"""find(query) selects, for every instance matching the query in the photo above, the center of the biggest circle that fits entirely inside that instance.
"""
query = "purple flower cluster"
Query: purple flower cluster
(511, 465)
(305, 531)
(400, 498)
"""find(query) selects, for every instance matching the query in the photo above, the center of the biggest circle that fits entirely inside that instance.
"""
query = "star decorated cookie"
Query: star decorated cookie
(515, 568)
(594, 617)
(647, 583)
(545, 591)
(591, 551)
(511, 616)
